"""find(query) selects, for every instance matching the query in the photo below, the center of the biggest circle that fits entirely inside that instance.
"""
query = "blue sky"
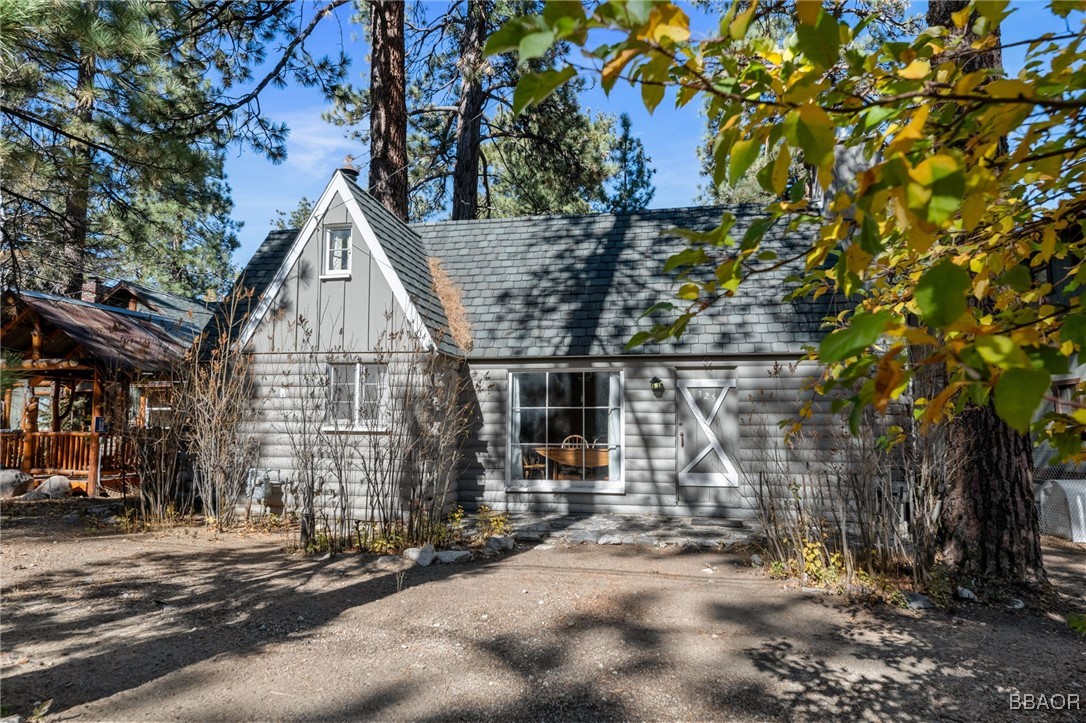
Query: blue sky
(315, 148)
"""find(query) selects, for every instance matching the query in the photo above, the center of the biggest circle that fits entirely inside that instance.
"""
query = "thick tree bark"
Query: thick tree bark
(469, 112)
(76, 207)
(388, 114)
(988, 526)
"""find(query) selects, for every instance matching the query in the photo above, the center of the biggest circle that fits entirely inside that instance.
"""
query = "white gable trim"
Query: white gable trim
(338, 184)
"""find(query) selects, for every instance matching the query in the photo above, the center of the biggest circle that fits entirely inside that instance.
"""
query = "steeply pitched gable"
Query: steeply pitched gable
(397, 249)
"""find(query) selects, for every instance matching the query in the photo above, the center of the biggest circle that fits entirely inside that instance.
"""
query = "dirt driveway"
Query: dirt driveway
(183, 626)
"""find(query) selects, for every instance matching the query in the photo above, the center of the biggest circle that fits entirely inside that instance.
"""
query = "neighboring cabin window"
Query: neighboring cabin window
(357, 396)
(1064, 391)
(566, 426)
(337, 252)
(158, 407)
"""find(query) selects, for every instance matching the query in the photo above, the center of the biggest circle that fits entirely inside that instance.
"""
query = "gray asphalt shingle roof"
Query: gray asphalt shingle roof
(578, 285)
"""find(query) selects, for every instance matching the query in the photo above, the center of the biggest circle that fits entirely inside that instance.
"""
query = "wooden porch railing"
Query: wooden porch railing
(66, 453)
(11, 452)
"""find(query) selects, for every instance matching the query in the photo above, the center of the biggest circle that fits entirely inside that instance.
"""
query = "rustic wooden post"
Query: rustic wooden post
(35, 342)
(29, 425)
(55, 405)
(96, 412)
(7, 408)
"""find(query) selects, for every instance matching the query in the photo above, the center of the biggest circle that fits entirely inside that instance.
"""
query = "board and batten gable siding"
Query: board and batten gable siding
(767, 391)
(343, 314)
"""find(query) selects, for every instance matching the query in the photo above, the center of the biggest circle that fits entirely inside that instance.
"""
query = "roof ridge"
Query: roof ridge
(146, 315)
(647, 212)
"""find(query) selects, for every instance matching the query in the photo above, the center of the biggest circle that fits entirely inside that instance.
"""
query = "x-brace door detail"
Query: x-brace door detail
(700, 455)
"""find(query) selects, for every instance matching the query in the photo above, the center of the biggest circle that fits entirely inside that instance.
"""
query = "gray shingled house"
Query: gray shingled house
(567, 419)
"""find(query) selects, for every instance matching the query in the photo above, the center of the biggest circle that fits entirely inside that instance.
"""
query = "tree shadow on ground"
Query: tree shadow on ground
(236, 602)
(785, 656)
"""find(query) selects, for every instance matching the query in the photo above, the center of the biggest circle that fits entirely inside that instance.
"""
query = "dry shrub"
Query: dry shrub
(834, 507)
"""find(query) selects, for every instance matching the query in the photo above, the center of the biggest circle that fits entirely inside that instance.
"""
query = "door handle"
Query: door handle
(682, 440)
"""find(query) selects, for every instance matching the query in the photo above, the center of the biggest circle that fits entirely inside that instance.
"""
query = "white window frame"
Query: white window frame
(330, 234)
(514, 483)
(356, 423)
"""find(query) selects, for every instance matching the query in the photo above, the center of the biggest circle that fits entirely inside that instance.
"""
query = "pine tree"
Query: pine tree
(388, 110)
(114, 132)
(467, 155)
(295, 219)
(630, 189)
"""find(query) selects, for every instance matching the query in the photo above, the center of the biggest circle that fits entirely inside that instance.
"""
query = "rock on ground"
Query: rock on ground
(13, 482)
(453, 556)
(55, 487)
(420, 555)
(500, 544)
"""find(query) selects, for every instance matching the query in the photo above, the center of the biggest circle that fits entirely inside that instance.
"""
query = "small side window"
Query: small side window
(337, 252)
(358, 397)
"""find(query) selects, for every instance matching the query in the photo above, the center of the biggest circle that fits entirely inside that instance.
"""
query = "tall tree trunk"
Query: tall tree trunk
(388, 114)
(469, 112)
(81, 157)
(988, 525)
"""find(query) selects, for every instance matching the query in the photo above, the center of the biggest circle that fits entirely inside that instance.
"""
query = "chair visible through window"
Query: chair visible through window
(534, 465)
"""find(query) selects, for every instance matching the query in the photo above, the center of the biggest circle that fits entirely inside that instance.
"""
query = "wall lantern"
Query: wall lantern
(657, 386)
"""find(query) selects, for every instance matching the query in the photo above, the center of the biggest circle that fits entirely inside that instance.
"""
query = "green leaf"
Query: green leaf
(1018, 393)
(738, 29)
(638, 339)
(1073, 329)
(862, 331)
(940, 294)
(876, 116)
(812, 130)
(686, 257)
(820, 42)
(1001, 351)
(743, 154)
(1048, 358)
(658, 307)
(535, 87)
(993, 10)
(755, 232)
(557, 11)
(870, 241)
(651, 95)
(639, 10)
(506, 38)
(937, 187)
(1017, 278)
(688, 292)
(535, 45)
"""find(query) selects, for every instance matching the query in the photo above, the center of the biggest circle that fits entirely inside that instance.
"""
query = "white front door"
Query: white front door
(703, 431)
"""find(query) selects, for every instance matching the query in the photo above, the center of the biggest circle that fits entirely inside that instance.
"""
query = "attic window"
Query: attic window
(337, 252)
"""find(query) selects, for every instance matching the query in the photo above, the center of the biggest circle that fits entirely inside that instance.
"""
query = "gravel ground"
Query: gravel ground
(184, 625)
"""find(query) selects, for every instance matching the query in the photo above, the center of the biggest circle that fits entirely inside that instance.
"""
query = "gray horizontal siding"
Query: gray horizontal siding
(289, 387)
(763, 399)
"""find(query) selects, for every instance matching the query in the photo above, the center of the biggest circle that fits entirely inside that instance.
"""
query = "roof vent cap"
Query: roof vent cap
(348, 169)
